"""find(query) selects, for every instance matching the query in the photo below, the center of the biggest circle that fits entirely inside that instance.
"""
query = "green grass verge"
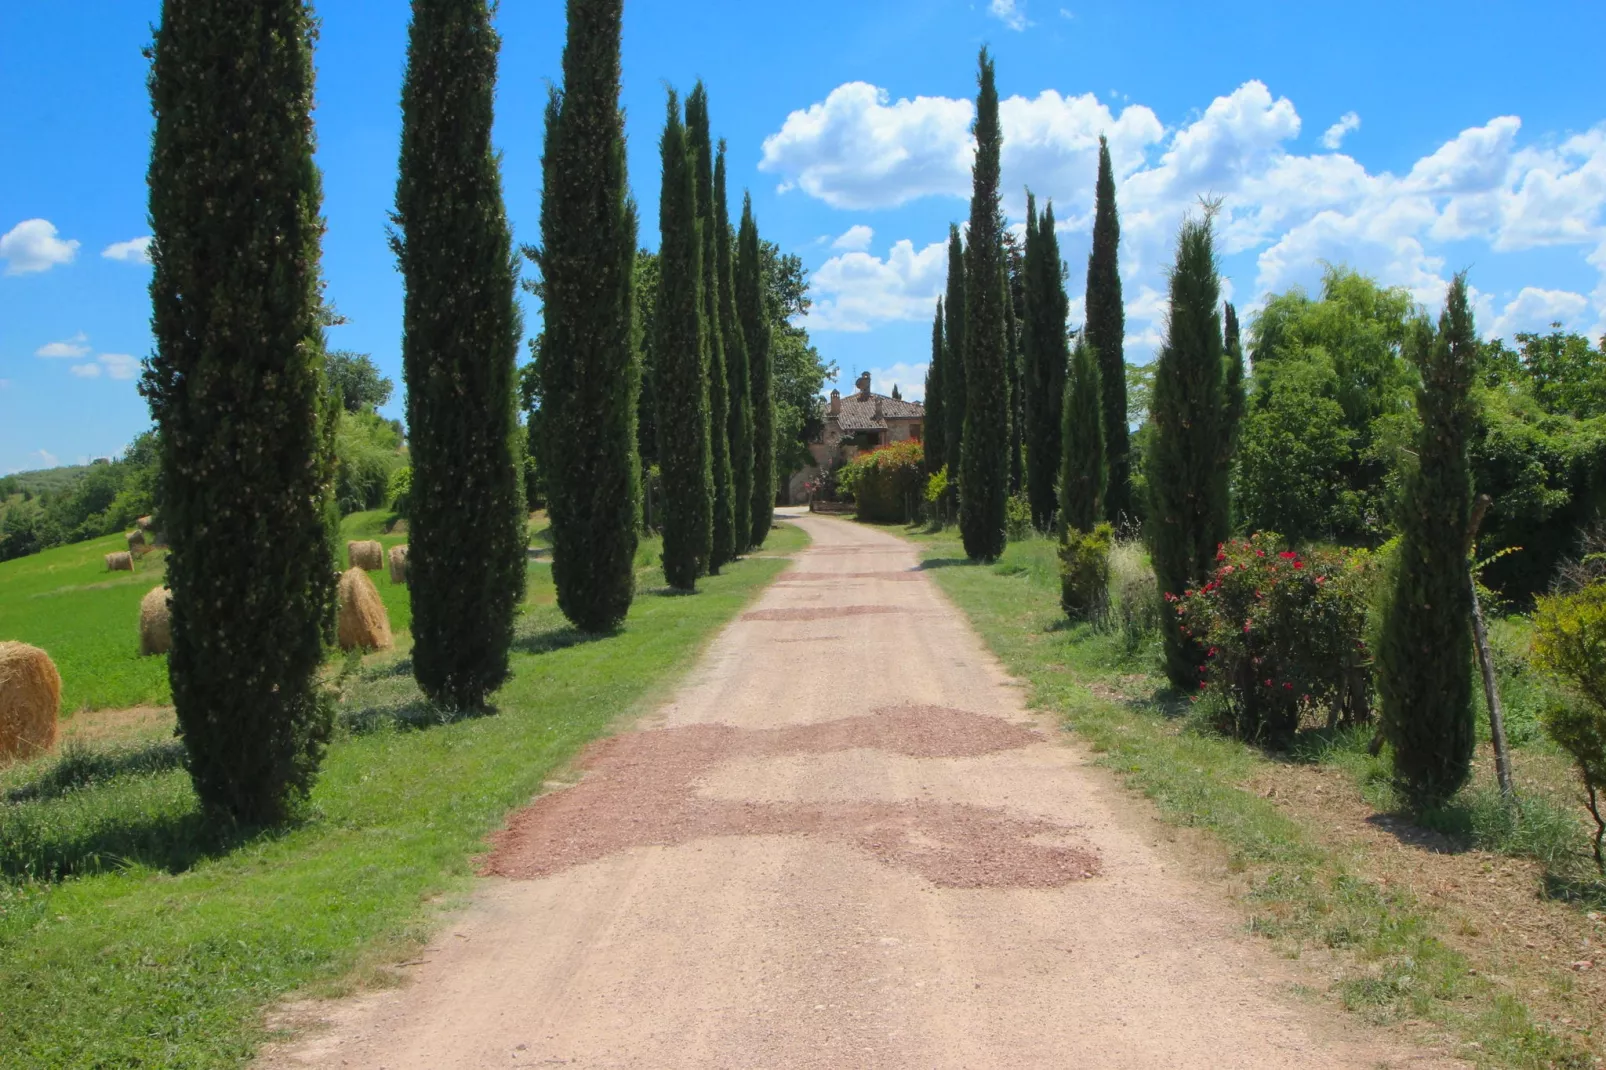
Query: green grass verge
(164, 948)
(1392, 964)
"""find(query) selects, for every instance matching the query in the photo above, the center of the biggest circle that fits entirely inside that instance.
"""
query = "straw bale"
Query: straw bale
(144, 523)
(155, 622)
(30, 698)
(136, 542)
(366, 555)
(122, 561)
(398, 564)
(361, 623)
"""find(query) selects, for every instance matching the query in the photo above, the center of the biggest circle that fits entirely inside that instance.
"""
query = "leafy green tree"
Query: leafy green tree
(953, 359)
(681, 365)
(591, 371)
(1425, 648)
(1046, 356)
(1188, 515)
(934, 436)
(1084, 473)
(1106, 333)
(757, 330)
(460, 341)
(984, 457)
(236, 388)
(1568, 375)
(702, 148)
(356, 381)
(739, 418)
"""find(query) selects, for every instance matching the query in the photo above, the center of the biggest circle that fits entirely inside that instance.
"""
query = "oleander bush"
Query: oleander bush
(888, 484)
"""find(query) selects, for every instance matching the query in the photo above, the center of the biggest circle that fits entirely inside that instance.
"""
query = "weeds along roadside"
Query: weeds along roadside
(1387, 952)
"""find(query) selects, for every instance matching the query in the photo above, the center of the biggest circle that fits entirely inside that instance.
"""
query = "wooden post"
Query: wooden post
(1480, 634)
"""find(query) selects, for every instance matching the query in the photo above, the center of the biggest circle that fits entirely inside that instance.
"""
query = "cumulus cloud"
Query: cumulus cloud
(72, 348)
(1334, 137)
(133, 251)
(1534, 309)
(910, 379)
(33, 246)
(119, 365)
(856, 291)
(1010, 13)
(856, 239)
(86, 371)
(45, 458)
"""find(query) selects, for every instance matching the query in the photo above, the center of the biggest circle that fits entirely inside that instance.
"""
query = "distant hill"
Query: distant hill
(43, 480)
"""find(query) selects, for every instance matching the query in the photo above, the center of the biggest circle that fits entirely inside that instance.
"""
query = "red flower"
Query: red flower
(1260, 553)
(1203, 685)
(1220, 556)
(1299, 564)
(1287, 686)
(1321, 580)
(1169, 597)
(1288, 555)
(1268, 682)
(1212, 652)
(1246, 627)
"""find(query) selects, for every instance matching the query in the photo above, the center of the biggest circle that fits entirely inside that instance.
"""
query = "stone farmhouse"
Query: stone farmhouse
(855, 424)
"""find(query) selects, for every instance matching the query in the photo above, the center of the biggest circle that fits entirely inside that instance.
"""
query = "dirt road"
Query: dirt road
(844, 843)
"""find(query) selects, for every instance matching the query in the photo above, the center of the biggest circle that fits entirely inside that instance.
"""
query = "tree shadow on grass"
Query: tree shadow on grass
(547, 640)
(948, 562)
(1585, 889)
(80, 766)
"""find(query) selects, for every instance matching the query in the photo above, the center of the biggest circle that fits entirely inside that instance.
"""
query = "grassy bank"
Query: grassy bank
(130, 936)
(1309, 870)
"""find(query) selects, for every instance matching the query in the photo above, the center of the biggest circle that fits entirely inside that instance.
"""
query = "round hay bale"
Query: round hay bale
(398, 564)
(366, 555)
(144, 523)
(123, 561)
(361, 623)
(136, 542)
(156, 622)
(30, 697)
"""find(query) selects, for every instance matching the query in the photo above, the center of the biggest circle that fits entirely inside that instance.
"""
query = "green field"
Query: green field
(133, 936)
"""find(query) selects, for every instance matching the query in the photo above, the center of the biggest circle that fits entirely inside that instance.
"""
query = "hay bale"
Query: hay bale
(123, 561)
(155, 622)
(361, 623)
(30, 697)
(136, 543)
(398, 564)
(144, 523)
(366, 555)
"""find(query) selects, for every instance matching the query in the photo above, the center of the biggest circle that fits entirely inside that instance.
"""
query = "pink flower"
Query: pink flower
(1287, 686)
(1203, 685)
(1268, 682)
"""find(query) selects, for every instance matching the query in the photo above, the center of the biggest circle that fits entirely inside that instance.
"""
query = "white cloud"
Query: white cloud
(119, 365)
(133, 251)
(32, 246)
(73, 348)
(910, 379)
(45, 458)
(1010, 13)
(1334, 137)
(1534, 309)
(86, 371)
(856, 239)
(855, 291)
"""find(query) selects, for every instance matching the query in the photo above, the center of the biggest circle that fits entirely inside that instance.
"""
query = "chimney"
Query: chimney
(878, 408)
(836, 402)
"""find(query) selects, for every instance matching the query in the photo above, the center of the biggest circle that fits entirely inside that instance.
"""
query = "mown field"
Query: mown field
(131, 935)
(1480, 935)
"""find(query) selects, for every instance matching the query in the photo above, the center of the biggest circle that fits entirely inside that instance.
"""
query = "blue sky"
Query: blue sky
(1475, 138)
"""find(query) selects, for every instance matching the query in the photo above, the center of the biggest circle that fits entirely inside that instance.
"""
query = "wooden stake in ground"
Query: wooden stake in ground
(1480, 634)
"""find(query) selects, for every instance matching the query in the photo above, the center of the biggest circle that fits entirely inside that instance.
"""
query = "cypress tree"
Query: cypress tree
(740, 416)
(1084, 474)
(1424, 667)
(934, 428)
(1188, 507)
(984, 456)
(460, 341)
(680, 354)
(953, 357)
(1106, 332)
(756, 336)
(1235, 401)
(1044, 352)
(591, 373)
(702, 148)
(236, 388)
(1017, 389)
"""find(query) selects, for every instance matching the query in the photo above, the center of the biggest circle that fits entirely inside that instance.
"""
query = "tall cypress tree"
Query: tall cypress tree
(1425, 673)
(702, 148)
(739, 420)
(1084, 474)
(680, 365)
(460, 340)
(1235, 401)
(591, 372)
(953, 358)
(1188, 506)
(1014, 367)
(934, 428)
(1106, 332)
(756, 336)
(1044, 351)
(984, 457)
(235, 387)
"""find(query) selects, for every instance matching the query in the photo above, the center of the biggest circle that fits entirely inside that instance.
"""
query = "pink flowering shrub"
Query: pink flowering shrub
(1284, 635)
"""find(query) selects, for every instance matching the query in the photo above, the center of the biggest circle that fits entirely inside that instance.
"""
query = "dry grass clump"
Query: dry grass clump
(122, 561)
(30, 697)
(156, 622)
(1135, 607)
(366, 555)
(398, 564)
(361, 623)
